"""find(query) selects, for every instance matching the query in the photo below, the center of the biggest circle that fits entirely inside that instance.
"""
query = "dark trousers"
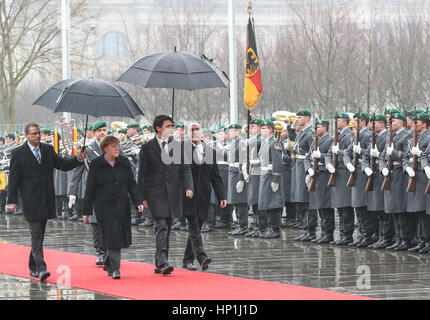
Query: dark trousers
(386, 226)
(368, 222)
(242, 215)
(194, 249)
(113, 259)
(37, 230)
(301, 208)
(396, 224)
(346, 222)
(3, 194)
(260, 218)
(290, 210)
(210, 221)
(309, 217)
(97, 238)
(408, 225)
(274, 218)
(424, 226)
(327, 221)
(162, 234)
(224, 215)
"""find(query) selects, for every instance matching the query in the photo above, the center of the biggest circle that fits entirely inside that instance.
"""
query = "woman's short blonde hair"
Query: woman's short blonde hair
(108, 140)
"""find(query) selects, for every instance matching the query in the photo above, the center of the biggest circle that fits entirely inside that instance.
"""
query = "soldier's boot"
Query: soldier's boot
(299, 238)
(364, 243)
(418, 247)
(395, 245)
(274, 233)
(311, 235)
(207, 227)
(328, 238)
(426, 248)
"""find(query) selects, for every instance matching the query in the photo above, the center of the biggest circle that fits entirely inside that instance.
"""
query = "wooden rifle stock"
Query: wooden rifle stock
(370, 180)
(412, 181)
(332, 179)
(313, 184)
(386, 185)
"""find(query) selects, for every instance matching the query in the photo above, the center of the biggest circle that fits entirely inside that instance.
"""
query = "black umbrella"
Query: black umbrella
(175, 70)
(90, 96)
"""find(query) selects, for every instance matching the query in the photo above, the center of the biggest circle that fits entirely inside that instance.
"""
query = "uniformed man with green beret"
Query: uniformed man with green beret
(2, 192)
(410, 116)
(417, 201)
(303, 144)
(358, 192)
(237, 186)
(378, 220)
(320, 198)
(77, 185)
(341, 193)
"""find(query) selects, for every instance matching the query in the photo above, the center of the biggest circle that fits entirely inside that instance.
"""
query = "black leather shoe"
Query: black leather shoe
(381, 244)
(166, 270)
(426, 249)
(189, 266)
(207, 228)
(176, 226)
(43, 275)
(364, 243)
(34, 274)
(116, 275)
(372, 246)
(394, 245)
(344, 241)
(272, 235)
(417, 248)
(147, 223)
(205, 264)
(299, 238)
(325, 240)
(75, 217)
(100, 259)
(257, 234)
(239, 232)
(250, 233)
(232, 233)
(403, 246)
(308, 237)
(356, 242)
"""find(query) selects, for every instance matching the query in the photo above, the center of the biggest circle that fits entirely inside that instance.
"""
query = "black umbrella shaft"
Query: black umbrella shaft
(173, 104)
(85, 133)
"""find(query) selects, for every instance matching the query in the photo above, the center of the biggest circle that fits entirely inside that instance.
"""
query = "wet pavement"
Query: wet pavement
(379, 274)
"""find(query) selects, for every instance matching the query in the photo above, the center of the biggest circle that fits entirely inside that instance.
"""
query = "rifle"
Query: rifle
(313, 184)
(369, 185)
(386, 185)
(332, 180)
(413, 180)
(351, 180)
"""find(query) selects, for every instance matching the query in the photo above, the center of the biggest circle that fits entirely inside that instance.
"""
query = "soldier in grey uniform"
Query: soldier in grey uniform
(253, 178)
(2, 192)
(416, 201)
(320, 198)
(395, 199)
(358, 192)
(79, 174)
(340, 193)
(237, 186)
(271, 198)
(380, 222)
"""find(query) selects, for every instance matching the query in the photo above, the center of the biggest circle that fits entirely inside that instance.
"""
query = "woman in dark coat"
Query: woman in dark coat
(110, 182)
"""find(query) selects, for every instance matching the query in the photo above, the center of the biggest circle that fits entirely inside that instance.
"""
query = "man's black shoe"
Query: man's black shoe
(43, 275)
(116, 275)
(364, 243)
(207, 228)
(205, 264)
(189, 266)
(166, 270)
(299, 238)
(395, 245)
(34, 274)
(325, 240)
(344, 241)
(75, 217)
(417, 248)
(356, 242)
(381, 245)
(308, 237)
(426, 249)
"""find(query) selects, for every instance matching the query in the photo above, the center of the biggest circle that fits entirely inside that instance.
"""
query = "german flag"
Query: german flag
(56, 142)
(253, 86)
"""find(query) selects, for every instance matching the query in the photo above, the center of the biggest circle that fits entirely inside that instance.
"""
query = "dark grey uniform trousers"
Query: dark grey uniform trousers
(260, 218)
(408, 225)
(290, 210)
(274, 218)
(224, 214)
(37, 230)
(309, 216)
(327, 221)
(424, 226)
(194, 247)
(346, 222)
(242, 215)
(113, 259)
(162, 234)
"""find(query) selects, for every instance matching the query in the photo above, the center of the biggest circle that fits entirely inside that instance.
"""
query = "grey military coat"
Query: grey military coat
(254, 145)
(375, 198)
(236, 158)
(320, 198)
(271, 171)
(303, 144)
(358, 192)
(395, 199)
(286, 172)
(341, 194)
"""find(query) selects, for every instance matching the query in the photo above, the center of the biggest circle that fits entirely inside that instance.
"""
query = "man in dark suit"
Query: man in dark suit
(162, 177)
(31, 174)
(205, 173)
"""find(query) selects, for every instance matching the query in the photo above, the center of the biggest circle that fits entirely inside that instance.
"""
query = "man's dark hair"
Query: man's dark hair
(159, 121)
(30, 125)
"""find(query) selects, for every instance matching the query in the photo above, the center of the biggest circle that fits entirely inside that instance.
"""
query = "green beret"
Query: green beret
(134, 125)
(99, 124)
(123, 130)
(399, 116)
(10, 135)
(256, 121)
(225, 128)
(235, 126)
(46, 131)
(179, 125)
(304, 112)
(391, 110)
(2, 139)
(411, 113)
(80, 131)
(268, 122)
(361, 115)
(324, 123)
(380, 117)
(342, 115)
(423, 116)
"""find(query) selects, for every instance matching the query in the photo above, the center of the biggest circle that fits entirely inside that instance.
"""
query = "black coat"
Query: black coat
(108, 190)
(204, 175)
(163, 185)
(34, 181)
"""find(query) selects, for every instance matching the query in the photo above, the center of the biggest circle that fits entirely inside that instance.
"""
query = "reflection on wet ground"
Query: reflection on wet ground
(378, 274)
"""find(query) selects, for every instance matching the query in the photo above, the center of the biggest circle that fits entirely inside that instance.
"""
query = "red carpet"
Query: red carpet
(138, 280)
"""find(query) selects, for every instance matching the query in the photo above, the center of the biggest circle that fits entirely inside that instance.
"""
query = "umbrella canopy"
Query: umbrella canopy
(175, 70)
(89, 96)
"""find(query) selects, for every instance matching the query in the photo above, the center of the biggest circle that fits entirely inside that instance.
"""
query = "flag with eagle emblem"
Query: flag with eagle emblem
(253, 86)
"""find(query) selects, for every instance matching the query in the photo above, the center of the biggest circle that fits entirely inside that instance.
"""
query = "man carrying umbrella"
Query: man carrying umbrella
(31, 174)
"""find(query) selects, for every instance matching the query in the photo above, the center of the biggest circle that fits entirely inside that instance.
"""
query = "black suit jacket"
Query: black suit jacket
(204, 174)
(34, 181)
(161, 184)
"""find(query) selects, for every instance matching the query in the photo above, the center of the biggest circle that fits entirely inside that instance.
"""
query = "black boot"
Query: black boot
(417, 248)
(328, 238)
(395, 245)
(364, 243)
(426, 248)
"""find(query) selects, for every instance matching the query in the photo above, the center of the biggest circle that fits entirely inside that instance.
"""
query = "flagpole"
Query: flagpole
(232, 62)
(65, 17)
